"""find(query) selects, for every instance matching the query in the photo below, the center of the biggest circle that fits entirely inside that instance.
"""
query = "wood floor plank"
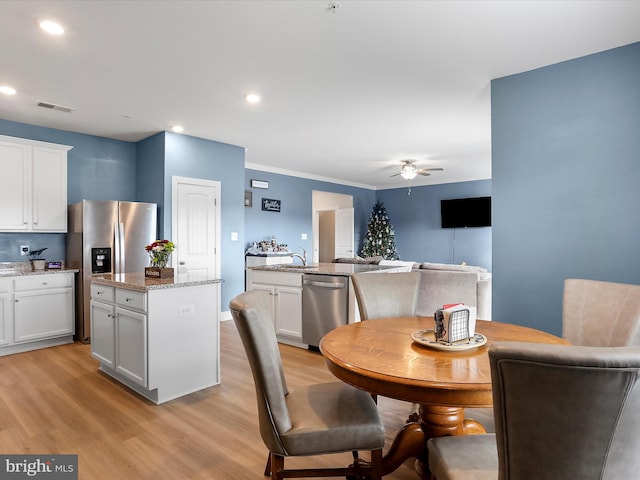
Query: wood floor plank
(56, 401)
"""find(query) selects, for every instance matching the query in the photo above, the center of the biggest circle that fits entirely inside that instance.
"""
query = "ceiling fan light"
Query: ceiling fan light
(408, 175)
(409, 172)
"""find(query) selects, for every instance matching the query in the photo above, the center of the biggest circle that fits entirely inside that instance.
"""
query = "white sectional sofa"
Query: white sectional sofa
(444, 283)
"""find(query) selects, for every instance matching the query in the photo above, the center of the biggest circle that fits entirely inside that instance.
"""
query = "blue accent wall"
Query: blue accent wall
(295, 216)
(194, 157)
(566, 176)
(417, 224)
(150, 167)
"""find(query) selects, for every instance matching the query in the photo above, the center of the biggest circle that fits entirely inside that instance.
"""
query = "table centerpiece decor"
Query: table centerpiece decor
(159, 253)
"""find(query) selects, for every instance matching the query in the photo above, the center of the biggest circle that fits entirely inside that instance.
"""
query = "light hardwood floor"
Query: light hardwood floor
(55, 401)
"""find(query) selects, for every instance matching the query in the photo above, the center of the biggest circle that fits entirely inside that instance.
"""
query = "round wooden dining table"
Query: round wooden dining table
(380, 357)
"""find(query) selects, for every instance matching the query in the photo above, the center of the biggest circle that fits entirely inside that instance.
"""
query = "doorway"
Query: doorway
(333, 226)
(196, 225)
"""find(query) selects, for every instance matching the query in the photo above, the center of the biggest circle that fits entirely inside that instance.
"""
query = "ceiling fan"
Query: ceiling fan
(409, 170)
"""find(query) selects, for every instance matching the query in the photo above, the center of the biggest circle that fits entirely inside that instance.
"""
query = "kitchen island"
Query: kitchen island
(294, 322)
(159, 337)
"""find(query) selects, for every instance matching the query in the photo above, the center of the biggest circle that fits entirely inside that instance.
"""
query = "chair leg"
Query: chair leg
(376, 464)
(267, 469)
(277, 467)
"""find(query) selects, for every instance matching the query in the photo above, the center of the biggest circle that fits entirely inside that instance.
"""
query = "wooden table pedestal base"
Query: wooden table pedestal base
(411, 440)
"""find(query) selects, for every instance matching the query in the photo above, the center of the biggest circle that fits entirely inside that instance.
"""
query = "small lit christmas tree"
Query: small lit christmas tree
(380, 238)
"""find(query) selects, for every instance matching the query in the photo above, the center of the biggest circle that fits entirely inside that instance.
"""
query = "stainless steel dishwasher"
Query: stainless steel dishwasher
(325, 305)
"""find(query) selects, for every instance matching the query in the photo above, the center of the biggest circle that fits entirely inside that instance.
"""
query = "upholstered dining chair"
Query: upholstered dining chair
(382, 295)
(600, 314)
(561, 412)
(594, 313)
(317, 419)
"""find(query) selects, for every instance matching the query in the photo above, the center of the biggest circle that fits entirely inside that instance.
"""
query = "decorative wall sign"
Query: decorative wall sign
(248, 198)
(270, 205)
(259, 184)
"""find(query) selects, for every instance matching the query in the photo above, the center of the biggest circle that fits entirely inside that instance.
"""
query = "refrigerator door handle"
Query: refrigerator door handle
(118, 247)
(121, 247)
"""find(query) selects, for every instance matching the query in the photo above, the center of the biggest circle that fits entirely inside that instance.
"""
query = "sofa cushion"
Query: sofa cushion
(451, 266)
(358, 260)
(406, 266)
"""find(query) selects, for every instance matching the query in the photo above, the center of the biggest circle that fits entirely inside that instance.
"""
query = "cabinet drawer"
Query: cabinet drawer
(40, 282)
(131, 299)
(102, 293)
(289, 279)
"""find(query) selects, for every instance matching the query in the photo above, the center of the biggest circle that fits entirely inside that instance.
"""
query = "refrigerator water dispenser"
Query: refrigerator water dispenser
(101, 260)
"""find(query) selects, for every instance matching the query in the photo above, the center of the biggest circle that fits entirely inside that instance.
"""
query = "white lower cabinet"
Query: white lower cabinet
(161, 343)
(285, 289)
(119, 334)
(36, 311)
(103, 328)
(131, 341)
(5, 312)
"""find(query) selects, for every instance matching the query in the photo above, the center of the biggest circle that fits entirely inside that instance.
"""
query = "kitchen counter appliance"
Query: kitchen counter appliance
(325, 305)
(106, 237)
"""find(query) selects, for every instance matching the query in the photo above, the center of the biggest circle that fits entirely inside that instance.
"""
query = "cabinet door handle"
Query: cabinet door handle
(16, 300)
(44, 283)
(128, 299)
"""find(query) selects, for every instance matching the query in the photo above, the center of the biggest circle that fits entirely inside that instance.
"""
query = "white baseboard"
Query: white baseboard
(224, 316)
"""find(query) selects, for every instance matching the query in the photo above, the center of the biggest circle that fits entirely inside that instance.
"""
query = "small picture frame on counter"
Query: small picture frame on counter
(155, 272)
(54, 265)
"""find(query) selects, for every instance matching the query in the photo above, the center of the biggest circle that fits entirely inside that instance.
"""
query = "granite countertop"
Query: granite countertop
(340, 269)
(137, 281)
(15, 269)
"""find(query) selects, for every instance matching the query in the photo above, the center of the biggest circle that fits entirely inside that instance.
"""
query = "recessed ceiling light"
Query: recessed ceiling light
(51, 27)
(7, 90)
(252, 98)
(177, 129)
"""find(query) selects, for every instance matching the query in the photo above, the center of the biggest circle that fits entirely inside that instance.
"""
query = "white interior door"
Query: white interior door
(196, 225)
(344, 233)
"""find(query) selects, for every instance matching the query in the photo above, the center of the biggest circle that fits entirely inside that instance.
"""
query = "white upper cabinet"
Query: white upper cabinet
(33, 197)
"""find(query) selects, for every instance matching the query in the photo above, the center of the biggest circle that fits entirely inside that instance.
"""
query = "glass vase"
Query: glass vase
(160, 260)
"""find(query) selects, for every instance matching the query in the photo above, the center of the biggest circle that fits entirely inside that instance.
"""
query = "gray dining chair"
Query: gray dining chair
(381, 295)
(561, 412)
(594, 313)
(316, 419)
(597, 313)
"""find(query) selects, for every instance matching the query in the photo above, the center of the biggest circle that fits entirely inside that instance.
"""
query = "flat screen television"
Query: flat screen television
(466, 212)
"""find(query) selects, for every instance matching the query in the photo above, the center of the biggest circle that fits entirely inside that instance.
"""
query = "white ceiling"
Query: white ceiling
(346, 95)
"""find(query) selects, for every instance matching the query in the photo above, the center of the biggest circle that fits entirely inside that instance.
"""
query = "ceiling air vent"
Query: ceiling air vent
(53, 106)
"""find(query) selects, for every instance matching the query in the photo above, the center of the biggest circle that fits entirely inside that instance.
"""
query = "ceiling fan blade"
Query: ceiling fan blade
(394, 175)
(424, 174)
(434, 169)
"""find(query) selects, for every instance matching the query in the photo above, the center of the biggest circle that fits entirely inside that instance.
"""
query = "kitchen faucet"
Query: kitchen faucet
(303, 257)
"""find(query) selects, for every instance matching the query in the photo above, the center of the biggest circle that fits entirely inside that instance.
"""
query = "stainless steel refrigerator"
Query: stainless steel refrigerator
(106, 237)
